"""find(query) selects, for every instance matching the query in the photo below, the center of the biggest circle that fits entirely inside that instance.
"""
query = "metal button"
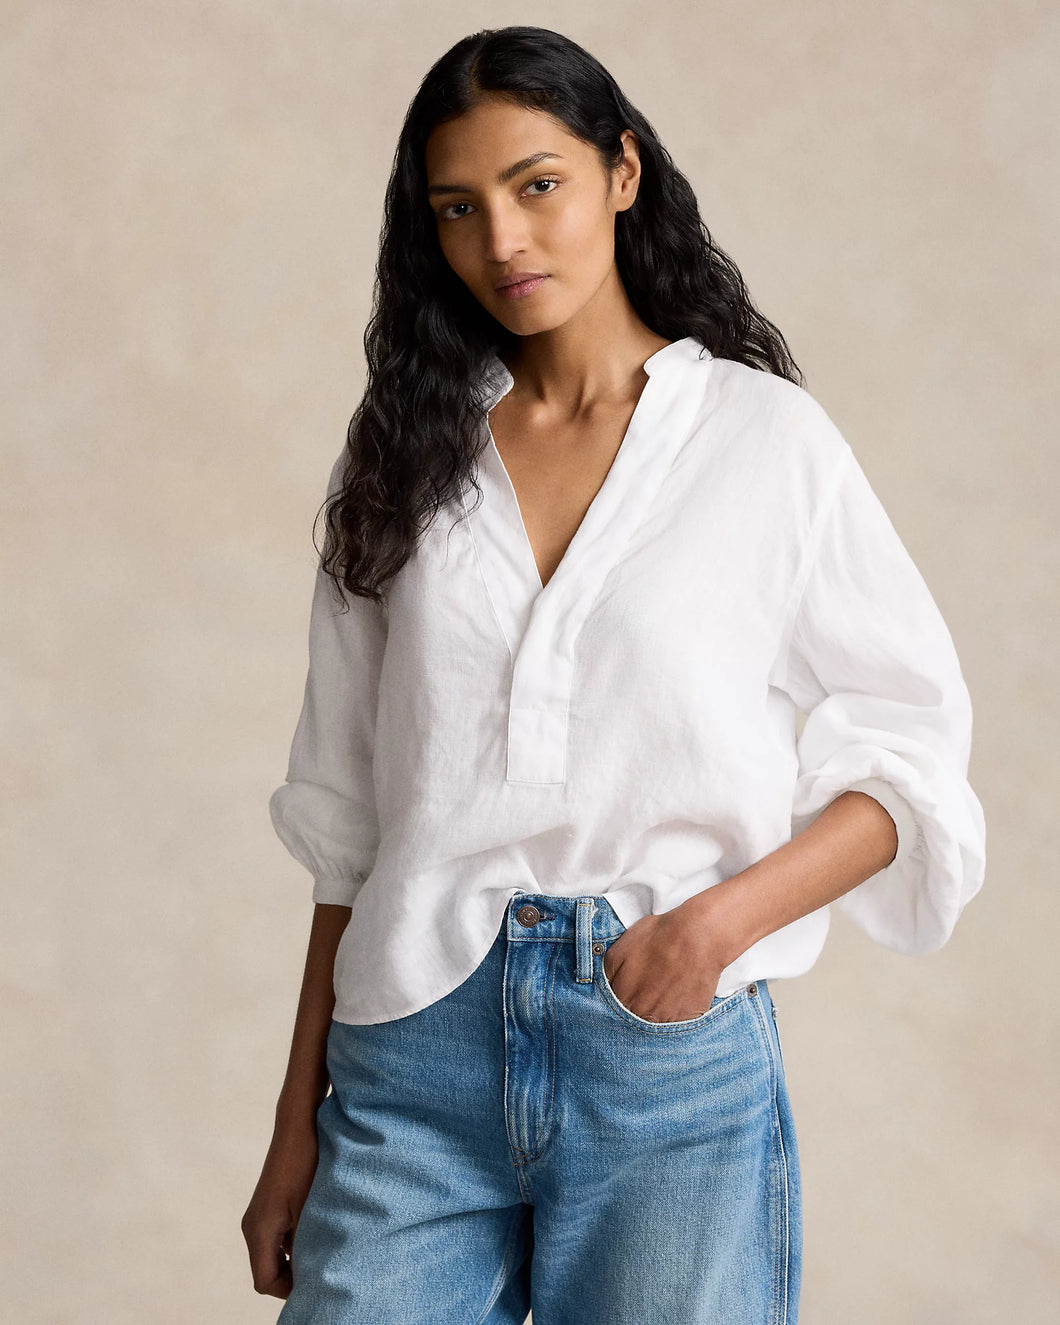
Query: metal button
(528, 915)
(752, 988)
(598, 947)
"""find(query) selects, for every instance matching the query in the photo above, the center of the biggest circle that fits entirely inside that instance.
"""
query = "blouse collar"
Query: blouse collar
(499, 381)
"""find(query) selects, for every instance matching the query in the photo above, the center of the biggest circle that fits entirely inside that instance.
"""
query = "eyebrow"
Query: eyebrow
(509, 173)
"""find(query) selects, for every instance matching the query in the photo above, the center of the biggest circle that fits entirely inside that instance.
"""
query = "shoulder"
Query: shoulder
(768, 444)
(778, 422)
(783, 407)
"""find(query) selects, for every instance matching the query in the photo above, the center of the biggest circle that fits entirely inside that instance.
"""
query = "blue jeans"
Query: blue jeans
(528, 1142)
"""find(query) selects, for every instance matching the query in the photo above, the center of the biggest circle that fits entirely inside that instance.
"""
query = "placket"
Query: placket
(541, 625)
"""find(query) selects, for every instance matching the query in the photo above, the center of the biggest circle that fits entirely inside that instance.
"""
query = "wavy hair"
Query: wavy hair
(413, 440)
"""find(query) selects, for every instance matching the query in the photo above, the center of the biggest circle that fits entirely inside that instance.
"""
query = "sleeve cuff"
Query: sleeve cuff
(898, 808)
(336, 892)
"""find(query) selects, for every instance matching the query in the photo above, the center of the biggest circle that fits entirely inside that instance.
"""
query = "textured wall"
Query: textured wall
(192, 201)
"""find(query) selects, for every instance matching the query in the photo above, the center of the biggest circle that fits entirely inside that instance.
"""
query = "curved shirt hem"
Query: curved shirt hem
(622, 902)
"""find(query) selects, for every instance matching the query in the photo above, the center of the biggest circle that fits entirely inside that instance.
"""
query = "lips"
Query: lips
(520, 283)
(515, 277)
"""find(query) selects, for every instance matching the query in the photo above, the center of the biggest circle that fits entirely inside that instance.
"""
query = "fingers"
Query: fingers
(270, 1266)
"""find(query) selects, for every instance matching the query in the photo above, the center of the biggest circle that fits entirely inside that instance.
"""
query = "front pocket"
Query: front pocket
(718, 1007)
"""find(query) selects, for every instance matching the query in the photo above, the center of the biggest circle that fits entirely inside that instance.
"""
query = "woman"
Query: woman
(547, 775)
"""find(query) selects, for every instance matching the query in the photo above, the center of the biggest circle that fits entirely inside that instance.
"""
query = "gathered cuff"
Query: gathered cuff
(337, 891)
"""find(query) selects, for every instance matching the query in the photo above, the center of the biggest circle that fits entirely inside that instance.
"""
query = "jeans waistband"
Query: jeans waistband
(586, 921)
(589, 921)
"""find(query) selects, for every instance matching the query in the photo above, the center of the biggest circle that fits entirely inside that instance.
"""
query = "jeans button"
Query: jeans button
(528, 915)
(598, 947)
(752, 989)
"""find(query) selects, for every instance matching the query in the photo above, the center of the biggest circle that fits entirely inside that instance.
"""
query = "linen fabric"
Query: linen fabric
(631, 728)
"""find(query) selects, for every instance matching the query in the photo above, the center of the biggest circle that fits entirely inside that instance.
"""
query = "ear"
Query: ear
(627, 173)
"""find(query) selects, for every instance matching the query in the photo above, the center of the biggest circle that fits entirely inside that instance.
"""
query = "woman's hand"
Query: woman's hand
(666, 967)
(272, 1216)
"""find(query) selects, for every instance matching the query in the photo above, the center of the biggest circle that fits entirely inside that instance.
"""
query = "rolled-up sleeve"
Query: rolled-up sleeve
(325, 813)
(872, 664)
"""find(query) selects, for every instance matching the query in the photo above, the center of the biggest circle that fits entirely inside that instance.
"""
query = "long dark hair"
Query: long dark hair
(413, 440)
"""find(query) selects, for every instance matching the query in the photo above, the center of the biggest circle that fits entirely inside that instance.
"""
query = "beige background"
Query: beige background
(192, 202)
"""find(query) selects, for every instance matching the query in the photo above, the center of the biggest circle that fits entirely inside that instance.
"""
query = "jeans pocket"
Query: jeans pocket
(718, 1007)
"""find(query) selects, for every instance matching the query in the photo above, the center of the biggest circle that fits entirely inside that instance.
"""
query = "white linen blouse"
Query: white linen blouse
(630, 729)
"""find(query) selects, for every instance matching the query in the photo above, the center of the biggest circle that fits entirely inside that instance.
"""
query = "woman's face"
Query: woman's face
(500, 213)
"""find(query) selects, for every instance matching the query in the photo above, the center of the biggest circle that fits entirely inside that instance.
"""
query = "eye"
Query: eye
(543, 179)
(445, 213)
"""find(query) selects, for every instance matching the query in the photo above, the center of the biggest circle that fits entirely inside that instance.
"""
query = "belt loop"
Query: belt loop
(583, 939)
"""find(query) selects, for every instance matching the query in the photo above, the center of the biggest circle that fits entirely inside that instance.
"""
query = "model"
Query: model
(592, 555)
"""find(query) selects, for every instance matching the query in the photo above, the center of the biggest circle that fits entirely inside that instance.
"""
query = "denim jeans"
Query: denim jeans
(528, 1142)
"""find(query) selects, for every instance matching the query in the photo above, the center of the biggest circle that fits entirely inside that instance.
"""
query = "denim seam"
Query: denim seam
(542, 1137)
(782, 1267)
(780, 1169)
(521, 1177)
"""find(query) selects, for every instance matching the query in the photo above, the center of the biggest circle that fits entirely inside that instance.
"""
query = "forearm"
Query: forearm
(849, 841)
(306, 1080)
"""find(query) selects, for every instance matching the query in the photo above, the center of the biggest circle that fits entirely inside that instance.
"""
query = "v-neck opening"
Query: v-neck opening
(600, 497)
(540, 623)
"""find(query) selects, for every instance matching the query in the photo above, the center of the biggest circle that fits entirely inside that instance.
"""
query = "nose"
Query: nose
(505, 235)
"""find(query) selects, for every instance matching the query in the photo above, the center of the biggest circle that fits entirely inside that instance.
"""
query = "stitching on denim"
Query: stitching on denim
(783, 1266)
(780, 1168)
(781, 1186)
(524, 1183)
(550, 1054)
(708, 1018)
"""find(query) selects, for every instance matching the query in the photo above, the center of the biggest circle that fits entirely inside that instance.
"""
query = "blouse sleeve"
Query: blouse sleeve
(872, 664)
(324, 813)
